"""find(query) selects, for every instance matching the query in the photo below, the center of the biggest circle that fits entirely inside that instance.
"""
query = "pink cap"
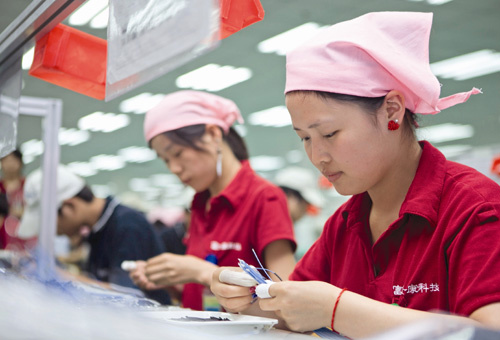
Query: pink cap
(369, 56)
(186, 108)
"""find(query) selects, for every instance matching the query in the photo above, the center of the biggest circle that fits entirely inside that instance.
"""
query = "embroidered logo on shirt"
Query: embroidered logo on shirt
(415, 289)
(214, 245)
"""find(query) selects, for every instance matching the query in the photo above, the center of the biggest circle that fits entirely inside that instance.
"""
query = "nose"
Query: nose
(318, 153)
(174, 167)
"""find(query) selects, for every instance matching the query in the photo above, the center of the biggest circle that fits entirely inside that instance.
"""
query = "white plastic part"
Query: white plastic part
(129, 265)
(262, 290)
(236, 278)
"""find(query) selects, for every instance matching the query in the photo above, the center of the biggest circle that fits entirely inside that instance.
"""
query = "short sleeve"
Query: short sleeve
(273, 221)
(474, 258)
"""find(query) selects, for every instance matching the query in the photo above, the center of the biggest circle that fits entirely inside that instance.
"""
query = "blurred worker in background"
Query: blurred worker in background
(115, 232)
(304, 201)
(4, 211)
(12, 183)
(233, 210)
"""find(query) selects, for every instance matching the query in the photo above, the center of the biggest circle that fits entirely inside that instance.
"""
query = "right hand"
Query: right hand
(138, 276)
(233, 298)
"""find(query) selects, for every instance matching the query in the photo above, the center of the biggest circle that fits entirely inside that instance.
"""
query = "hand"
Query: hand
(169, 269)
(233, 298)
(304, 306)
(138, 276)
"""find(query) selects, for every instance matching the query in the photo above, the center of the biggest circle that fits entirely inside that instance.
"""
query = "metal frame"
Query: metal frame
(37, 19)
(50, 110)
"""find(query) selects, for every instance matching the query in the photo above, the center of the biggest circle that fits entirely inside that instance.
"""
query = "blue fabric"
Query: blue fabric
(126, 236)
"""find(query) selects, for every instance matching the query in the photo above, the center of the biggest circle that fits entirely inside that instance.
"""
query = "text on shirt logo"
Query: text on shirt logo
(416, 288)
(214, 245)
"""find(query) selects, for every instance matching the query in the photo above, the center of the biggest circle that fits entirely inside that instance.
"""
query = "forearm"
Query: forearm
(358, 316)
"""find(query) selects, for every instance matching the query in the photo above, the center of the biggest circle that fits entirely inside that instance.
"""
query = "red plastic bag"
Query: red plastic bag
(237, 14)
(72, 59)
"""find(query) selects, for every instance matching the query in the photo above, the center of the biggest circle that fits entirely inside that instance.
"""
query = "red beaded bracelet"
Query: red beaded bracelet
(336, 304)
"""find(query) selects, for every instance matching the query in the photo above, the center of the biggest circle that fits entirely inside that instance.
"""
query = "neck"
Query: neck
(95, 210)
(388, 196)
(11, 177)
(230, 167)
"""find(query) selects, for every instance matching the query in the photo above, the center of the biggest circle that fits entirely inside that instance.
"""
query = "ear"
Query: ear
(214, 132)
(68, 207)
(394, 105)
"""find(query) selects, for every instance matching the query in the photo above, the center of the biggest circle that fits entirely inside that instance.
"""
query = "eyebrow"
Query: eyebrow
(312, 126)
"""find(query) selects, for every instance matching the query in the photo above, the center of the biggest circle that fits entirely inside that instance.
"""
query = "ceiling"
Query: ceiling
(460, 27)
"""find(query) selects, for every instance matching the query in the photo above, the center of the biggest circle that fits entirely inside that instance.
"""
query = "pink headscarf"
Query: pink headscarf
(369, 56)
(186, 108)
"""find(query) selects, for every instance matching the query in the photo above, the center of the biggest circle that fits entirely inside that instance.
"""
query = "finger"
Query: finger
(158, 259)
(262, 290)
(236, 304)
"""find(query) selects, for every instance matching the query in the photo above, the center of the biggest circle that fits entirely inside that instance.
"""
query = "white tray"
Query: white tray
(230, 323)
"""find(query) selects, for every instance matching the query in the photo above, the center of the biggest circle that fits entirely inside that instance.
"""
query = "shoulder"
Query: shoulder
(466, 190)
(129, 218)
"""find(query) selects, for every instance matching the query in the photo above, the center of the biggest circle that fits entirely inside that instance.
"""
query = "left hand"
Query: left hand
(170, 269)
(304, 306)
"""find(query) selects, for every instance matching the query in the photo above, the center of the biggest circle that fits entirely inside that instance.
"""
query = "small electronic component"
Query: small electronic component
(128, 265)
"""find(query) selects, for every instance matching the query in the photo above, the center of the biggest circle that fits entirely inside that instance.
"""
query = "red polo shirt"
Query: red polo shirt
(249, 213)
(443, 252)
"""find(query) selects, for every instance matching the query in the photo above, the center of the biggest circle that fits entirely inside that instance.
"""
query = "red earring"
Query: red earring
(393, 125)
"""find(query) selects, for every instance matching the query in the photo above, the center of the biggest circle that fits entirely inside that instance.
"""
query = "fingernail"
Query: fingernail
(252, 290)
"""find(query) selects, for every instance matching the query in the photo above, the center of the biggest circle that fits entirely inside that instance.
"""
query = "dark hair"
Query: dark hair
(190, 136)
(292, 192)
(4, 205)
(85, 194)
(370, 104)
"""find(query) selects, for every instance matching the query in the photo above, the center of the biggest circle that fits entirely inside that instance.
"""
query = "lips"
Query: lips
(333, 176)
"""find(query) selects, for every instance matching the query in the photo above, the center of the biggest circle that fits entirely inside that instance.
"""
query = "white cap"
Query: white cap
(303, 181)
(68, 185)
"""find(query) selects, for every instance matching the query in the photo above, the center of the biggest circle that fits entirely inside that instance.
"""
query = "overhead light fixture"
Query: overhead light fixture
(468, 66)
(213, 77)
(141, 103)
(31, 149)
(84, 169)
(288, 40)
(103, 122)
(143, 185)
(445, 132)
(100, 20)
(164, 180)
(72, 136)
(241, 129)
(107, 162)
(277, 116)
(266, 163)
(86, 12)
(28, 59)
(432, 2)
(137, 154)
(294, 156)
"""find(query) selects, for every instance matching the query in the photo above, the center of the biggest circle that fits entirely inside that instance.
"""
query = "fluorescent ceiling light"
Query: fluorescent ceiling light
(101, 190)
(277, 116)
(107, 162)
(294, 156)
(241, 129)
(143, 185)
(445, 132)
(141, 103)
(72, 136)
(164, 180)
(288, 40)
(438, 2)
(137, 154)
(100, 20)
(451, 151)
(31, 149)
(266, 163)
(83, 169)
(213, 77)
(468, 66)
(28, 58)
(104, 122)
(86, 12)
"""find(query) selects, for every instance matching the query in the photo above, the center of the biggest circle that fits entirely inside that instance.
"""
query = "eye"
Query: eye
(330, 135)
(304, 139)
(178, 154)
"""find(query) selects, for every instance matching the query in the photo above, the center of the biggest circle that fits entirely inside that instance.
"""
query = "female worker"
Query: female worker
(233, 211)
(420, 233)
